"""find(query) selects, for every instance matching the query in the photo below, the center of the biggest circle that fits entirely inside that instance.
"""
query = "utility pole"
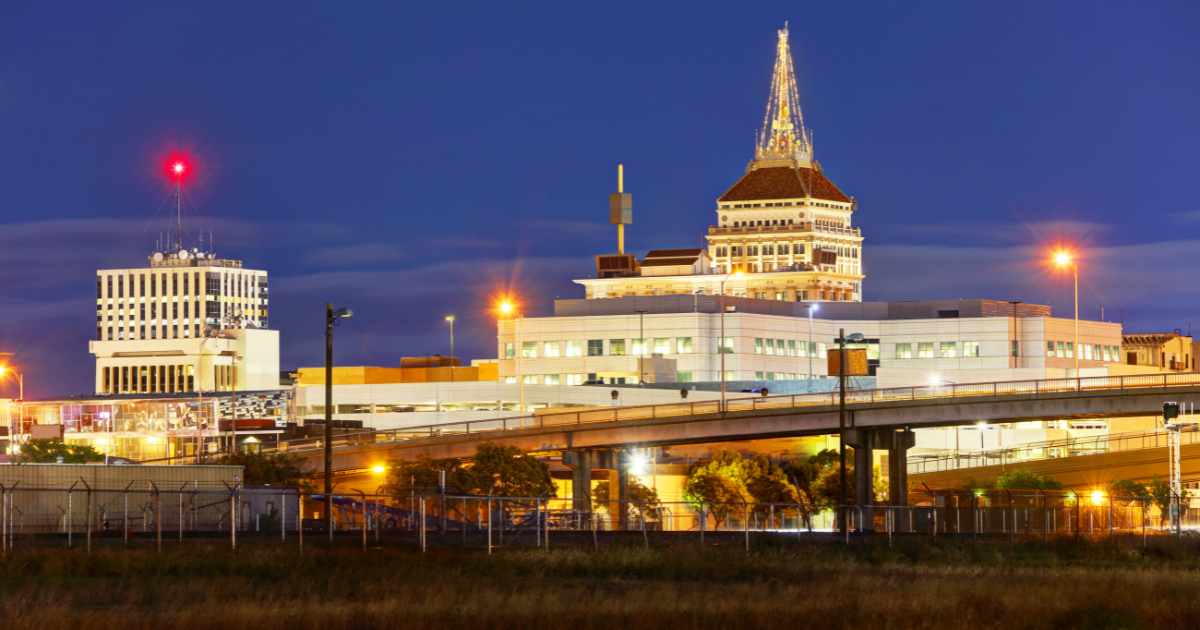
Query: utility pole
(642, 350)
(331, 318)
(842, 428)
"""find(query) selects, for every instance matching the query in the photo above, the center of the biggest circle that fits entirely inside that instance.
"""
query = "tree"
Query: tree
(502, 471)
(1129, 490)
(730, 479)
(1025, 479)
(640, 500)
(816, 481)
(271, 469)
(1160, 492)
(57, 451)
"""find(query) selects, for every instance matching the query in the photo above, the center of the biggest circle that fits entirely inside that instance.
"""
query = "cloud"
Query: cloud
(1020, 232)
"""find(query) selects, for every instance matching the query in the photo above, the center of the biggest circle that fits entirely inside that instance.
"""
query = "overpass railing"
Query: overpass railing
(1053, 449)
(998, 389)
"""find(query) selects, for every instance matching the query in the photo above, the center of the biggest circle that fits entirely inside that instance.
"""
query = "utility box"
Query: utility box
(856, 362)
(620, 208)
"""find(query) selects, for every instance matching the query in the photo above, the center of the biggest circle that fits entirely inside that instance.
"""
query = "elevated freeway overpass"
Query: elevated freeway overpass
(873, 416)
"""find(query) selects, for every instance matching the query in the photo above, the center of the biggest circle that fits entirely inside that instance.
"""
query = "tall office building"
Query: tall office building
(188, 322)
(784, 225)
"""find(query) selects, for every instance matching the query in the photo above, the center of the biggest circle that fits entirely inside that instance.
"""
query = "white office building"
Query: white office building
(188, 322)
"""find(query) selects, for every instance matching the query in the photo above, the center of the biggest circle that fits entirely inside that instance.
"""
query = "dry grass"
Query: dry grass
(916, 585)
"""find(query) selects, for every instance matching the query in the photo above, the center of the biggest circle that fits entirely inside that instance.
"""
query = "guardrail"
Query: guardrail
(1053, 449)
(996, 389)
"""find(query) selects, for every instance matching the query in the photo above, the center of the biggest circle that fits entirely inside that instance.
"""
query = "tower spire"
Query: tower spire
(783, 135)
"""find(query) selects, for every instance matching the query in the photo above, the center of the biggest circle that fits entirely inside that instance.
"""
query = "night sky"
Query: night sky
(410, 160)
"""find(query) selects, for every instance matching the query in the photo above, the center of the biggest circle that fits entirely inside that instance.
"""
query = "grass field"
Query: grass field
(916, 584)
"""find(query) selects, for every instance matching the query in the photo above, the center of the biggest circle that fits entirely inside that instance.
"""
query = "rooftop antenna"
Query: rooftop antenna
(620, 209)
(178, 169)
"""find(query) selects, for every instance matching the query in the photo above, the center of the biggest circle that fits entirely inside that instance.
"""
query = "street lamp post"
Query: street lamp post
(841, 340)
(811, 350)
(450, 320)
(1064, 258)
(721, 341)
(507, 309)
(14, 423)
(332, 316)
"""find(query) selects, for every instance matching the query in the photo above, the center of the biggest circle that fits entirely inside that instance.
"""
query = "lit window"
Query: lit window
(970, 349)
(948, 349)
(510, 350)
(595, 347)
(758, 345)
(925, 350)
(574, 348)
(639, 347)
(551, 349)
(616, 347)
(552, 379)
(683, 345)
(791, 347)
(904, 351)
(683, 377)
(528, 349)
(662, 345)
(532, 379)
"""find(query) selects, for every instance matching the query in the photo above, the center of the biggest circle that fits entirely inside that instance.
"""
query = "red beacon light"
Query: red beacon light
(178, 168)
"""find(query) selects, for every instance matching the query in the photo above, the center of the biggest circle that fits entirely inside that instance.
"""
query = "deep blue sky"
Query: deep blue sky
(409, 160)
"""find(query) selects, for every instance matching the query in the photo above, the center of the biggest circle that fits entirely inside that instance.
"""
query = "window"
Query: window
(758, 376)
(551, 349)
(1015, 350)
(509, 380)
(528, 349)
(574, 348)
(970, 348)
(510, 350)
(758, 345)
(552, 379)
(925, 350)
(821, 351)
(639, 347)
(725, 348)
(575, 379)
(791, 347)
(683, 345)
(948, 349)
(769, 346)
(1049, 348)
(783, 248)
(531, 379)
(904, 351)
(683, 377)
(616, 347)
(595, 347)
(662, 345)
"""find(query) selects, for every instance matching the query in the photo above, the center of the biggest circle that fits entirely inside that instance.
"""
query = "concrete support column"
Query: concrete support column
(581, 479)
(901, 441)
(621, 491)
(864, 476)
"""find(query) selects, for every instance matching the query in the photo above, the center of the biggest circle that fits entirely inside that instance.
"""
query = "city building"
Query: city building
(784, 225)
(1169, 351)
(907, 343)
(187, 322)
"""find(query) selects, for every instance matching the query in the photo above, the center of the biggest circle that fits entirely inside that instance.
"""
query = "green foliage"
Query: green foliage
(1129, 490)
(271, 469)
(730, 479)
(640, 499)
(1160, 492)
(503, 471)
(1024, 479)
(50, 452)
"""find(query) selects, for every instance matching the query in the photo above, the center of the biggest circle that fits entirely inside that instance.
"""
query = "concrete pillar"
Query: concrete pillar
(621, 491)
(864, 476)
(581, 479)
(901, 441)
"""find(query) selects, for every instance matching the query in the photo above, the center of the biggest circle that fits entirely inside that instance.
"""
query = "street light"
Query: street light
(841, 341)
(332, 317)
(811, 350)
(450, 320)
(1064, 258)
(737, 275)
(507, 308)
(5, 370)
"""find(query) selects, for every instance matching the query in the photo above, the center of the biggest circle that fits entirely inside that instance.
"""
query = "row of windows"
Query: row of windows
(174, 331)
(236, 285)
(937, 350)
(789, 348)
(596, 347)
(783, 204)
(767, 249)
(139, 379)
(1090, 351)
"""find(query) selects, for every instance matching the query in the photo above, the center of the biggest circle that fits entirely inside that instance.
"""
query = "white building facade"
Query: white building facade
(188, 322)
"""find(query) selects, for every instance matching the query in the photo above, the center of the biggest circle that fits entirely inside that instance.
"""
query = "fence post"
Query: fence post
(703, 522)
(3, 520)
(157, 517)
(87, 513)
(746, 524)
(283, 517)
(181, 511)
(300, 519)
(595, 537)
(537, 522)
(126, 534)
(489, 527)
(424, 526)
(70, 511)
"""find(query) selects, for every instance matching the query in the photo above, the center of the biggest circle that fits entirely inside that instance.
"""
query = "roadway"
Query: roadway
(770, 417)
